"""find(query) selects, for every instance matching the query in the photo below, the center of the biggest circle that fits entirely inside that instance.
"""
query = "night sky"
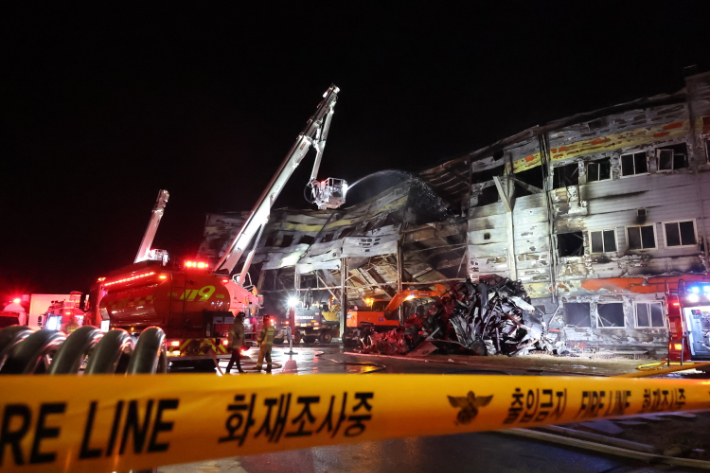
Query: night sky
(102, 108)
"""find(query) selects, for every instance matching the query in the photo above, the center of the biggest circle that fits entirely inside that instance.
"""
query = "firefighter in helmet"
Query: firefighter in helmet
(236, 339)
(266, 341)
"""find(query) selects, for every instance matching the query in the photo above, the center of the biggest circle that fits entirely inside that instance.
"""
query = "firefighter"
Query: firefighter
(236, 337)
(72, 325)
(266, 341)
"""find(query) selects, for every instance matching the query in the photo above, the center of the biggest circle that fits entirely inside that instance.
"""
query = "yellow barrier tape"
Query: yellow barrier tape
(660, 371)
(116, 423)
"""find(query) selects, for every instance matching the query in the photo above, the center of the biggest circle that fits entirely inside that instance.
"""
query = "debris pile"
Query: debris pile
(488, 318)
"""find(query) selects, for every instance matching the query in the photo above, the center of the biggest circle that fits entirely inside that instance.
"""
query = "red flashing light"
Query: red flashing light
(225, 281)
(16, 300)
(175, 343)
(196, 264)
(225, 342)
(676, 304)
(132, 278)
(163, 276)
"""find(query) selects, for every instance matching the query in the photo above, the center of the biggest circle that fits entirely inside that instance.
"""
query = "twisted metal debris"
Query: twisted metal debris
(488, 318)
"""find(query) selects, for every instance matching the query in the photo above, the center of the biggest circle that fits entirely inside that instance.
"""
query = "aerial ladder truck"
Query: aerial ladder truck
(193, 303)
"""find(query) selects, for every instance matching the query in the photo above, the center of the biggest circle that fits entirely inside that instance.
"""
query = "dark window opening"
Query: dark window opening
(286, 241)
(707, 149)
(483, 176)
(307, 239)
(599, 170)
(641, 238)
(327, 237)
(269, 241)
(649, 314)
(611, 315)
(486, 236)
(564, 176)
(570, 244)
(603, 241)
(578, 314)
(672, 157)
(680, 233)
(633, 164)
(489, 195)
(531, 176)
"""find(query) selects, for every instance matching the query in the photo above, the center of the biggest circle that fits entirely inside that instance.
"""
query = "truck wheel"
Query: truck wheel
(310, 339)
(297, 337)
(279, 341)
(325, 337)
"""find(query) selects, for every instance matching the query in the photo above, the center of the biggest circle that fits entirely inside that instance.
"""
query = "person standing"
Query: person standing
(266, 341)
(236, 336)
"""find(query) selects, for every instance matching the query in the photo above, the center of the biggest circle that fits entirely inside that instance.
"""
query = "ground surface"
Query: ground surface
(468, 452)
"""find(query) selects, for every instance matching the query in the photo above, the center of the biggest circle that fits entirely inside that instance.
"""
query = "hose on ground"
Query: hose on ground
(23, 351)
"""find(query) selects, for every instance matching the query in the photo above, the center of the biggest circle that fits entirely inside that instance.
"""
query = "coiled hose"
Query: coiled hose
(24, 351)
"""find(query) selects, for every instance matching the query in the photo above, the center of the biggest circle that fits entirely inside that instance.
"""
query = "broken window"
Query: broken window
(642, 237)
(672, 157)
(489, 195)
(634, 163)
(269, 241)
(532, 176)
(599, 170)
(570, 244)
(603, 241)
(286, 241)
(326, 237)
(483, 176)
(346, 232)
(680, 233)
(307, 239)
(611, 315)
(578, 314)
(649, 315)
(564, 176)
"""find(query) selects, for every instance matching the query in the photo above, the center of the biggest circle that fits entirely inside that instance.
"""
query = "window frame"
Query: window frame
(597, 316)
(597, 162)
(616, 241)
(655, 237)
(695, 230)
(663, 314)
(621, 165)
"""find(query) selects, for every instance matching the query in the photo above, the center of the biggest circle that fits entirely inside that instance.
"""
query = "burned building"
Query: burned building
(598, 215)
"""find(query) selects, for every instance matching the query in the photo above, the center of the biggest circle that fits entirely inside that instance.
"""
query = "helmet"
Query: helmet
(267, 318)
(241, 315)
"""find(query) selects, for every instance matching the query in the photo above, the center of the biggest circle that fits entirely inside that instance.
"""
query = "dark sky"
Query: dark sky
(104, 107)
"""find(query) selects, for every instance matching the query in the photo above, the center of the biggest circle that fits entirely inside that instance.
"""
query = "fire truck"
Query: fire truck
(194, 303)
(688, 311)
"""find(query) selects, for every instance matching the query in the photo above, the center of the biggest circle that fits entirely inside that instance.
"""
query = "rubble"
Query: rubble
(488, 318)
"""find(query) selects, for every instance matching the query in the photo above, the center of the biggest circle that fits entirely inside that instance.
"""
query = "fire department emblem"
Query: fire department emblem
(469, 406)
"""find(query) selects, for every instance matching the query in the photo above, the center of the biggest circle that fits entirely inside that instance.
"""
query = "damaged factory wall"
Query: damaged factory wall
(597, 214)
(303, 250)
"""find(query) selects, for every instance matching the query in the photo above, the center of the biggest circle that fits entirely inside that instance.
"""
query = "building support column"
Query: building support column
(343, 294)
(400, 277)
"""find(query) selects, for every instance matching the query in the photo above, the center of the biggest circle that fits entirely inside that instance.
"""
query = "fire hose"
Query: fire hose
(24, 351)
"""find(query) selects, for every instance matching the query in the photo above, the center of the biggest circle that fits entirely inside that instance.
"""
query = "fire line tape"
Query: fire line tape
(116, 423)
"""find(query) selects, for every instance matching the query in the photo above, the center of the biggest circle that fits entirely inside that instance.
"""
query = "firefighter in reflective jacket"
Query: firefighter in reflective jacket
(266, 341)
(236, 338)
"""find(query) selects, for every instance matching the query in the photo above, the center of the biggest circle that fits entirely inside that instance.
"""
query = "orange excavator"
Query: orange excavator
(360, 322)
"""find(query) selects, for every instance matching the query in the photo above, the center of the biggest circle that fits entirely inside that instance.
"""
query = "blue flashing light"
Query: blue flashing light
(695, 289)
(706, 289)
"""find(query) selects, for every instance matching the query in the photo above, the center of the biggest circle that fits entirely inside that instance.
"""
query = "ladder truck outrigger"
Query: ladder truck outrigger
(193, 303)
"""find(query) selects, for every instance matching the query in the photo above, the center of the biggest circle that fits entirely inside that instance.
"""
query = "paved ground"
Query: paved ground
(484, 452)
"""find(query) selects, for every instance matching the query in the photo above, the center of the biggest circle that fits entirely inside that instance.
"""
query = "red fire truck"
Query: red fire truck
(194, 303)
(689, 321)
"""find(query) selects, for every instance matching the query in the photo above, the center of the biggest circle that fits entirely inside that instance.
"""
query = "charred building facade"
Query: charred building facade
(598, 214)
